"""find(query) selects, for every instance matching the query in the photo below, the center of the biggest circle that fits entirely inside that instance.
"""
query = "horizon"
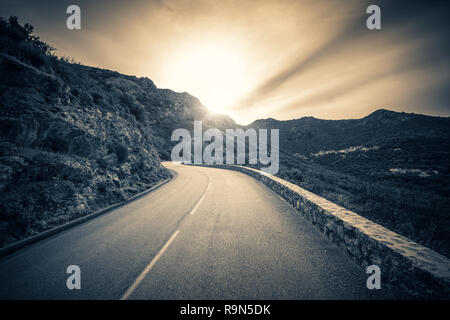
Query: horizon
(344, 72)
(216, 153)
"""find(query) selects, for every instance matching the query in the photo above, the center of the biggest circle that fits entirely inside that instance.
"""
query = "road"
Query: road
(207, 234)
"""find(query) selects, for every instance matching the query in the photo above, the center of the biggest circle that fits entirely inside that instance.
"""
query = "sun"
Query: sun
(213, 71)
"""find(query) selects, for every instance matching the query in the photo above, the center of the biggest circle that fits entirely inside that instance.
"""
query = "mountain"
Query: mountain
(75, 139)
(373, 146)
(310, 135)
(391, 167)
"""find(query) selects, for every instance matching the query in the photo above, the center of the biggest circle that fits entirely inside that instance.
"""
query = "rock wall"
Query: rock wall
(407, 266)
(73, 140)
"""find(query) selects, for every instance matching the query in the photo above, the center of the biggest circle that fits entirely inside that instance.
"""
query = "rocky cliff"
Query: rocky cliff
(75, 139)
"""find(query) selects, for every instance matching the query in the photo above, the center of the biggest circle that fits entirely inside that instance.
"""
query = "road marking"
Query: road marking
(149, 267)
(202, 197)
(161, 252)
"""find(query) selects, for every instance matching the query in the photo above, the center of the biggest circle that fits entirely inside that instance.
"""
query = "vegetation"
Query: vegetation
(73, 139)
(413, 206)
(390, 167)
(19, 41)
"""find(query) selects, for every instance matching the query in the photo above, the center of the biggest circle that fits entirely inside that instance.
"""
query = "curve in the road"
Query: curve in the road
(243, 242)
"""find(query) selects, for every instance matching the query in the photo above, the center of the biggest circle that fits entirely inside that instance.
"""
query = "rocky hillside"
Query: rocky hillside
(309, 135)
(75, 139)
(384, 143)
(390, 167)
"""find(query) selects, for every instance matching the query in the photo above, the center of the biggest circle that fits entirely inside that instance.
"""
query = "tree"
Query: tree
(20, 41)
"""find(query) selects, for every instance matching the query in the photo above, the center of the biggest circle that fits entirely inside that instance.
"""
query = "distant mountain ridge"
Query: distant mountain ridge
(310, 135)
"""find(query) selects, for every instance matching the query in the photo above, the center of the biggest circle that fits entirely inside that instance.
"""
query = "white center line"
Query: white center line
(149, 267)
(202, 197)
(160, 253)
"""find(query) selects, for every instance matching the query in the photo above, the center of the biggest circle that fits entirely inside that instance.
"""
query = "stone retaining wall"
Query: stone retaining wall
(408, 266)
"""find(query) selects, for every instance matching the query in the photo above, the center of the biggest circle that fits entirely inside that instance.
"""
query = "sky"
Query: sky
(253, 59)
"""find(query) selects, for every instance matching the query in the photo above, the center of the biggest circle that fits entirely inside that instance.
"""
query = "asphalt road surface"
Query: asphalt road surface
(207, 234)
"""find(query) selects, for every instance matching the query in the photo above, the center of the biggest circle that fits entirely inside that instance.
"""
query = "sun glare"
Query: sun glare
(214, 72)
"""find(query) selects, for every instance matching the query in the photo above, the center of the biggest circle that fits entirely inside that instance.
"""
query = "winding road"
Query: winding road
(207, 234)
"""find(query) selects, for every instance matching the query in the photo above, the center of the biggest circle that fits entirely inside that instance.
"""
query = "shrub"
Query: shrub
(121, 152)
(135, 108)
(19, 41)
(98, 98)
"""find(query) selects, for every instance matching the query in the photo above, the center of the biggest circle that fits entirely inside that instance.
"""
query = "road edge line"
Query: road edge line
(375, 244)
(5, 251)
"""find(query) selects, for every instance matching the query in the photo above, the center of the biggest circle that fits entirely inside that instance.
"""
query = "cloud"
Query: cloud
(407, 45)
(303, 57)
